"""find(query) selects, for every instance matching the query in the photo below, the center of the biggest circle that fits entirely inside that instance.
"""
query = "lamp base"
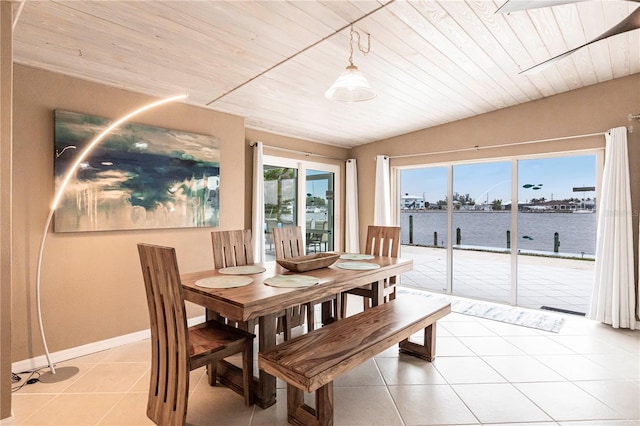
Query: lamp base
(62, 374)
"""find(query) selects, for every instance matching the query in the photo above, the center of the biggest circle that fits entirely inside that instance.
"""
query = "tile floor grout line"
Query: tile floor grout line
(386, 386)
(111, 409)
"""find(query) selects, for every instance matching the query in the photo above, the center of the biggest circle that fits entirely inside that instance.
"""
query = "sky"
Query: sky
(555, 179)
(317, 187)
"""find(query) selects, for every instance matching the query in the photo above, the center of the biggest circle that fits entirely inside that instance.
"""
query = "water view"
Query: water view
(576, 232)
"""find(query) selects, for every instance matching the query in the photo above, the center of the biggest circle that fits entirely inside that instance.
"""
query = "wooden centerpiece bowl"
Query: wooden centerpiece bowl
(309, 262)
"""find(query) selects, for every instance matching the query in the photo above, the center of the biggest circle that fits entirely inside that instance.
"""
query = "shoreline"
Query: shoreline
(404, 211)
(534, 253)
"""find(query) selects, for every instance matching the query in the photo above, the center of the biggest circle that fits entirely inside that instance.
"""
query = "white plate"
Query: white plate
(291, 281)
(358, 266)
(229, 281)
(356, 256)
(242, 270)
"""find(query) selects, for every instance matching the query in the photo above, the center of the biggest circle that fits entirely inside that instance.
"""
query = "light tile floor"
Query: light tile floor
(486, 373)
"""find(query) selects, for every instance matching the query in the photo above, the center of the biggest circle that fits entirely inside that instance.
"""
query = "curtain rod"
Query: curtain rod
(474, 148)
(295, 151)
(478, 147)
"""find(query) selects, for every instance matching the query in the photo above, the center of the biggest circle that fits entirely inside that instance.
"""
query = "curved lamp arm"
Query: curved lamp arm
(58, 196)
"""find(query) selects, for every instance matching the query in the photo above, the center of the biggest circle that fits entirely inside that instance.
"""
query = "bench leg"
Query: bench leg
(298, 413)
(324, 405)
(426, 351)
(296, 408)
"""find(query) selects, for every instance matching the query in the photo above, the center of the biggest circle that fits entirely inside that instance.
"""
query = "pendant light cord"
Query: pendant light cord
(363, 51)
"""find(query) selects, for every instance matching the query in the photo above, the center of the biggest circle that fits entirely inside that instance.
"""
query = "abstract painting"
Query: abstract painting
(138, 177)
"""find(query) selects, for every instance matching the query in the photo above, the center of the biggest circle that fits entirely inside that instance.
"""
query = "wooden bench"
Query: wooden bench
(312, 362)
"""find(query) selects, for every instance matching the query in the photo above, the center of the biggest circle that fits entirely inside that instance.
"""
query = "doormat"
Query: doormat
(496, 312)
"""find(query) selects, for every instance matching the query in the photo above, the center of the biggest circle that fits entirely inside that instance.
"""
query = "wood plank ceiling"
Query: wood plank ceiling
(431, 62)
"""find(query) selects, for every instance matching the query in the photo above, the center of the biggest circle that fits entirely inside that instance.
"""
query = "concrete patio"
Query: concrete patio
(554, 282)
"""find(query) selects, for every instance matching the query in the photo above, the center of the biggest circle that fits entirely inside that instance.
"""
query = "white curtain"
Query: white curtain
(613, 298)
(382, 201)
(351, 237)
(257, 215)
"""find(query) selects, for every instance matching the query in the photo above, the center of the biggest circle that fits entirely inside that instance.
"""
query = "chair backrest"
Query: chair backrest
(325, 235)
(232, 248)
(169, 384)
(288, 242)
(383, 241)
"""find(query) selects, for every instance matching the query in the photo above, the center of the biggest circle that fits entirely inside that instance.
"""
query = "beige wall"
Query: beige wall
(316, 150)
(91, 282)
(593, 109)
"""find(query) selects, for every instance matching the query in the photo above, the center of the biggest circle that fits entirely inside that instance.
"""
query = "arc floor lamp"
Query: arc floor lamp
(66, 372)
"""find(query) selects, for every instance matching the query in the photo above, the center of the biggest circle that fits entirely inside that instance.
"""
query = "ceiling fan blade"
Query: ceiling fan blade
(518, 5)
(630, 23)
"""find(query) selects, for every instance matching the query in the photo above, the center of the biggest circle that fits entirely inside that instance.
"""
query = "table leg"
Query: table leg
(266, 390)
(378, 293)
(327, 313)
(332, 310)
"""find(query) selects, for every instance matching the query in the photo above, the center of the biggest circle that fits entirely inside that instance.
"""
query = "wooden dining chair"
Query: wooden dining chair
(289, 243)
(232, 248)
(381, 241)
(177, 349)
(235, 248)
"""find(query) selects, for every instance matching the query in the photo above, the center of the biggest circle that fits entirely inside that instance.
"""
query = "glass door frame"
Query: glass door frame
(396, 193)
(302, 167)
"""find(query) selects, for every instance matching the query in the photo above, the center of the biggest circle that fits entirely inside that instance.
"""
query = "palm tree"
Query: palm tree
(280, 174)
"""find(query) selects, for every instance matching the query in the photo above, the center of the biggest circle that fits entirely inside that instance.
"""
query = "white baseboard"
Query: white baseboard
(90, 348)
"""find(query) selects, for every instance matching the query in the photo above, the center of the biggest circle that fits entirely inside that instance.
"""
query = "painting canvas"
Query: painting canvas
(138, 177)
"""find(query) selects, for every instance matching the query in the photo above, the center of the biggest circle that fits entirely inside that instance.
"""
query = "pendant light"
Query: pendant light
(351, 85)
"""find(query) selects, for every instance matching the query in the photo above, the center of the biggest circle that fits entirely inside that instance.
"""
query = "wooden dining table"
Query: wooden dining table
(262, 302)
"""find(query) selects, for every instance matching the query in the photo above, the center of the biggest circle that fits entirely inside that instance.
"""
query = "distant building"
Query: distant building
(485, 207)
(561, 206)
(411, 202)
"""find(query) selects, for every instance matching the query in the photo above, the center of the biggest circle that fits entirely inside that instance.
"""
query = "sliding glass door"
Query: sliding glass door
(481, 217)
(424, 222)
(319, 210)
(556, 232)
(305, 194)
(469, 237)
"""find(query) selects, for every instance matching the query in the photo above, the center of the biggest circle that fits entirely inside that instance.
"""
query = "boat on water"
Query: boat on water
(584, 211)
